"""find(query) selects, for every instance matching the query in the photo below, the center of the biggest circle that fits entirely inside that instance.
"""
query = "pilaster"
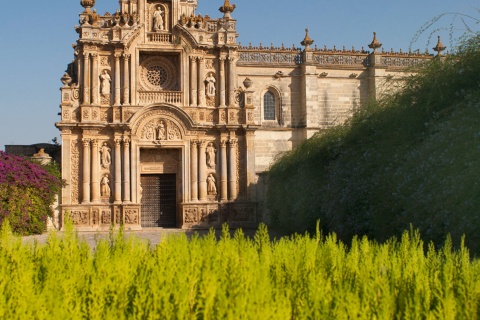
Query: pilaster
(223, 171)
(221, 81)
(194, 170)
(86, 78)
(202, 171)
(126, 170)
(232, 174)
(118, 172)
(86, 171)
(201, 84)
(193, 81)
(126, 79)
(95, 172)
(117, 80)
(95, 79)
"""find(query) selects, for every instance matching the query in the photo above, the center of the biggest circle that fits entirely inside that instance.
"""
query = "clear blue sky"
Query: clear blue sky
(36, 39)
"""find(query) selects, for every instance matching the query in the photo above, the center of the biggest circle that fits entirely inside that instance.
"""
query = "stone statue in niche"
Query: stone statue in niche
(161, 131)
(210, 81)
(106, 157)
(210, 151)
(105, 81)
(211, 187)
(105, 186)
(158, 19)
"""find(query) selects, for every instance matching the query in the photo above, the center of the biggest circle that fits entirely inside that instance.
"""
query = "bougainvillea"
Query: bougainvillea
(27, 191)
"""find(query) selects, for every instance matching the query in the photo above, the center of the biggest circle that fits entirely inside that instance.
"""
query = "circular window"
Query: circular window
(157, 74)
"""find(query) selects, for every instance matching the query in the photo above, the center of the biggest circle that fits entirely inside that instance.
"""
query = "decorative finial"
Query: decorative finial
(375, 44)
(440, 47)
(226, 9)
(307, 42)
(87, 4)
(66, 79)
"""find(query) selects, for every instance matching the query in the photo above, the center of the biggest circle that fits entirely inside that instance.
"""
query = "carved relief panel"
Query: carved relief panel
(160, 130)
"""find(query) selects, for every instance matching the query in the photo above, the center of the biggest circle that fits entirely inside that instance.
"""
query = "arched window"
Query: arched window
(269, 106)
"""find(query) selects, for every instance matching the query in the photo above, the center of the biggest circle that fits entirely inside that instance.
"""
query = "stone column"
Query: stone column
(193, 81)
(133, 186)
(86, 78)
(232, 174)
(221, 80)
(118, 89)
(201, 84)
(126, 80)
(126, 171)
(118, 172)
(223, 172)
(232, 73)
(95, 172)
(95, 78)
(86, 171)
(193, 170)
(202, 171)
(250, 163)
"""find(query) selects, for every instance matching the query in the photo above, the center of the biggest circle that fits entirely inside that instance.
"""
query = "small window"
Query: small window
(269, 106)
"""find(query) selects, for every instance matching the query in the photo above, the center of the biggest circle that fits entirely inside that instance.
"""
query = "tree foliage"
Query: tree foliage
(27, 191)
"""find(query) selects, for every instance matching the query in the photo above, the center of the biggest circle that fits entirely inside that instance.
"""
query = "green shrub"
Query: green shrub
(410, 158)
(300, 277)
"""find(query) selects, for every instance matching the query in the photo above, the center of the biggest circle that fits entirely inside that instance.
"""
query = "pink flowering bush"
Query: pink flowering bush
(26, 192)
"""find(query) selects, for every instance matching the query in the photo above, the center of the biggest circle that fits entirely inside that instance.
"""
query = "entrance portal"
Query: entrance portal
(159, 203)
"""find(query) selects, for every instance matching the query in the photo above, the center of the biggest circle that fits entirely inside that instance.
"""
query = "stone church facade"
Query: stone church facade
(167, 121)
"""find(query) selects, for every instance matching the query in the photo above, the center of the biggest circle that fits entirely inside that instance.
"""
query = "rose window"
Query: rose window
(157, 76)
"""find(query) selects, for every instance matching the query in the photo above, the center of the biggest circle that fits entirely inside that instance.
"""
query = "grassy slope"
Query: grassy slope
(411, 159)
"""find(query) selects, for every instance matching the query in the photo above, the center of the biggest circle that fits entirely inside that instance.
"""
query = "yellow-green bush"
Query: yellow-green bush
(235, 278)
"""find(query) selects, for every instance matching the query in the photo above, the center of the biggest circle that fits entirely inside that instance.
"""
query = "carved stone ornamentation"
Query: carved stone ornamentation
(211, 185)
(210, 89)
(160, 130)
(158, 73)
(190, 215)
(105, 187)
(106, 216)
(131, 216)
(211, 155)
(79, 217)
(75, 162)
(106, 157)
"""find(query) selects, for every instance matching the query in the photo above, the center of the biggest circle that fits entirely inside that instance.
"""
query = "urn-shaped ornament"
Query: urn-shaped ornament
(247, 82)
(87, 4)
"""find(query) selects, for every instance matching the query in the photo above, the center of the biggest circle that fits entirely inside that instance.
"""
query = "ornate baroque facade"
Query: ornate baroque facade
(166, 121)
